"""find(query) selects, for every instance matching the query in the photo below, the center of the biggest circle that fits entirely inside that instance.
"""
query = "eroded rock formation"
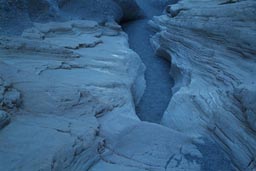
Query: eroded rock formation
(17, 15)
(68, 87)
(79, 82)
(211, 46)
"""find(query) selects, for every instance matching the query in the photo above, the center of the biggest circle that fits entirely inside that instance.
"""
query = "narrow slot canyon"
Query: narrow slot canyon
(159, 83)
(127, 85)
(158, 80)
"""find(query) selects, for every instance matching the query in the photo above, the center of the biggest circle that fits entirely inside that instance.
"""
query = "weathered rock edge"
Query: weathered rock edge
(211, 47)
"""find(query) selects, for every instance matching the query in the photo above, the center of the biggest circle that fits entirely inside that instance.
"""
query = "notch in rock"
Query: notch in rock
(229, 2)
(169, 11)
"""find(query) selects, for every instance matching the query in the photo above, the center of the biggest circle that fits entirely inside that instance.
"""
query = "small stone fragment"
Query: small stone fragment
(12, 99)
(5, 119)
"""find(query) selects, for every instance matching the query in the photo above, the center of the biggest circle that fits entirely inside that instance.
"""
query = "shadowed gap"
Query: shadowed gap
(158, 80)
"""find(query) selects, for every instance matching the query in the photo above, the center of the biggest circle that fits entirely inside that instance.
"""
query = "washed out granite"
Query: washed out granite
(211, 47)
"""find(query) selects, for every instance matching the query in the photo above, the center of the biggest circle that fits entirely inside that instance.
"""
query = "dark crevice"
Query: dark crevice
(214, 158)
(229, 2)
(158, 80)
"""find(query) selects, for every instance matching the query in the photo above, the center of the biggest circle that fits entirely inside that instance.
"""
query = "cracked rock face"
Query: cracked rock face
(67, 76)
(79, 82)
(78, 103)
(211, 47)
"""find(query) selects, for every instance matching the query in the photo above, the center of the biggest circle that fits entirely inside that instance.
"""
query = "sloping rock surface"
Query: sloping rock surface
(211, 47)
(78, 82)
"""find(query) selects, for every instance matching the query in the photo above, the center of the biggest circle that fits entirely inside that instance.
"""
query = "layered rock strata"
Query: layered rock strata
(211, 47)
(79, 83)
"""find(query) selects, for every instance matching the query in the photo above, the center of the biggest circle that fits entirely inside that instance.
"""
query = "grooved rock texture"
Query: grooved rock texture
(211, 46)
(79, 83)
(67, 74)
(10, 100)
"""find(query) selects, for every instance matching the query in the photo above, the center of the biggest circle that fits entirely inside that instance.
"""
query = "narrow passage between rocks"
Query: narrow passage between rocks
(158, 80)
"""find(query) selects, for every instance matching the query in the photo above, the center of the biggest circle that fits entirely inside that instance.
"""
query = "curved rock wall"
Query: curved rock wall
(211, 46)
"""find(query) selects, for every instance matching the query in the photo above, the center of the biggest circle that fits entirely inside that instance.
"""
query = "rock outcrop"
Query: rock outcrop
(65, 74)
(69, 87)
(79, 83)
(17, 15)
(211, 47)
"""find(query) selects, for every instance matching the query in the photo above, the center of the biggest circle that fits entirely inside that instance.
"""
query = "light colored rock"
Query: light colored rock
(78, 113)
(146, 146)
(63, 95)
(32, 142)
(32, 33)
(211, 47)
